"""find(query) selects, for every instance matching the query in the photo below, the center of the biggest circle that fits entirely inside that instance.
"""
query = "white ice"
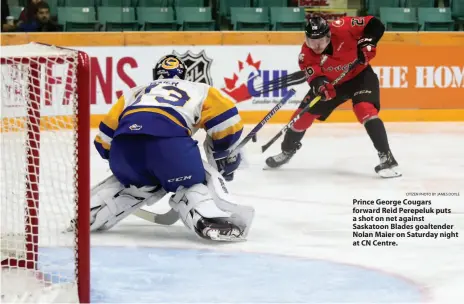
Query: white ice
(305, 208)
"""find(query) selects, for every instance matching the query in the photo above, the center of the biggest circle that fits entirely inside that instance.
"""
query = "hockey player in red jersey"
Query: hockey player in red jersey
(326, 52)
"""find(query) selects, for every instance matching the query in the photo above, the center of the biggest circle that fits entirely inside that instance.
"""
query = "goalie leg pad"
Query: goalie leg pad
(111, 202)
(200, 214)
(194, 203)
(241, 215)
(209, 208)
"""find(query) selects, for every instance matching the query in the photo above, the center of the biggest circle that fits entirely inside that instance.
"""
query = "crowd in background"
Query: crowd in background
(34, 18)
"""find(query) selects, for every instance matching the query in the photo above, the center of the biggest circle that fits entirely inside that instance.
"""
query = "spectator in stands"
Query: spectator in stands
(29, 10)
(7, 25)
(41, 21)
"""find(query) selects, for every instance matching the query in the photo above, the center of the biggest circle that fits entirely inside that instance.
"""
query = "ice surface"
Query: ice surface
(304, 210)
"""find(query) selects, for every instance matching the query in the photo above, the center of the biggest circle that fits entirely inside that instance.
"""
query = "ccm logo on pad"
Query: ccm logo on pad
(179, 179)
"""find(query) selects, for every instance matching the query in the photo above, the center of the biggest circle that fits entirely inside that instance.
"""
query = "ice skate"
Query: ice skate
(282, 158)
(218, 229)
(388, 166)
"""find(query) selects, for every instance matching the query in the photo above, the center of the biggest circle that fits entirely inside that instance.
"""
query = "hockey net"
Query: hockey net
(44, 174)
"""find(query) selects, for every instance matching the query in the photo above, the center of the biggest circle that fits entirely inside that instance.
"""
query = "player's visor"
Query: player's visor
(318, 45)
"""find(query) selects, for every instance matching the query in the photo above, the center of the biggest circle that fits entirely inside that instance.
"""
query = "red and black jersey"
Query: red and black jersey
(342, 50)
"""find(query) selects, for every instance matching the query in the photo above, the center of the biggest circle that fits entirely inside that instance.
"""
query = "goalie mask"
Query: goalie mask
(170, 67)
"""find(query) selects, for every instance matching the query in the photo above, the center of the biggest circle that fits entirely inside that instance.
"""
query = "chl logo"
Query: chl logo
(179, 179)
(198, 66)
(250, 80)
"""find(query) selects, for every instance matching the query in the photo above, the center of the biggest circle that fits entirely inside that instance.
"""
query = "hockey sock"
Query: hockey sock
(305, 121)
(376, 130)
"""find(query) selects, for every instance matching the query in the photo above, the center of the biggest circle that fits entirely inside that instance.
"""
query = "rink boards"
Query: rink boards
(421, 74)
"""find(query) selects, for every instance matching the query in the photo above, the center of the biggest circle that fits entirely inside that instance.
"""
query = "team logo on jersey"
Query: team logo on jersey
(338, 23)
(170, 63)
(301, 57)
(135, 127)
(309, 71)
(198, 66)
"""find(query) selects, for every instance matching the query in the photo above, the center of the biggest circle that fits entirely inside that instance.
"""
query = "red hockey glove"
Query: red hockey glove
(366, 50)
(322, 86)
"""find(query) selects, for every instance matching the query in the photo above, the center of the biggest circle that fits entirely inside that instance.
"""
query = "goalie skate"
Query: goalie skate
(218, 229)
(388, 166)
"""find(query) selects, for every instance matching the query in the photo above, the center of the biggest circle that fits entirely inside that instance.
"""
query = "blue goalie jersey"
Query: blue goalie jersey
(172, 108)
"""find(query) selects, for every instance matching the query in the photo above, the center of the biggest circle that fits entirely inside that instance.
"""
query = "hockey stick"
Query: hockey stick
(168, 218)
(295, 78)
(307, 108)
(172, 216)
(292, 79)
(266, 118)
(289, 80)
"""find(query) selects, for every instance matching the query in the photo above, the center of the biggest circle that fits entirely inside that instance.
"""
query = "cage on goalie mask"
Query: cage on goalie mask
(170, 67)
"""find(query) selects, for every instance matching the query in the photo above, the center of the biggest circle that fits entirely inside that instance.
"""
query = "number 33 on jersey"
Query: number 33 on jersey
(172, 108)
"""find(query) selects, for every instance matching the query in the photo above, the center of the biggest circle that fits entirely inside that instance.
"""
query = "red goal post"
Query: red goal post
(45, 173)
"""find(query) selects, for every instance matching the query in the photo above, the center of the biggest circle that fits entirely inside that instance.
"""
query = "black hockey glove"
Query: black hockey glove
(366, 50)
(226, 165)
(322, 86)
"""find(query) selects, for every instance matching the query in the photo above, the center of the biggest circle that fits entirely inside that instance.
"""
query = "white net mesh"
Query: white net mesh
(38, 174)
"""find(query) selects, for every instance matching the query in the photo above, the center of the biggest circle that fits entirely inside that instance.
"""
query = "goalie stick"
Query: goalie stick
(307, 108)
(172, 216)
(168, 218)
(266, 118)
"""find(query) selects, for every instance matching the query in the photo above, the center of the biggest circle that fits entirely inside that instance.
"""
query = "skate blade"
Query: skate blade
(389, 173)
(265, 168)
(214, 235)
